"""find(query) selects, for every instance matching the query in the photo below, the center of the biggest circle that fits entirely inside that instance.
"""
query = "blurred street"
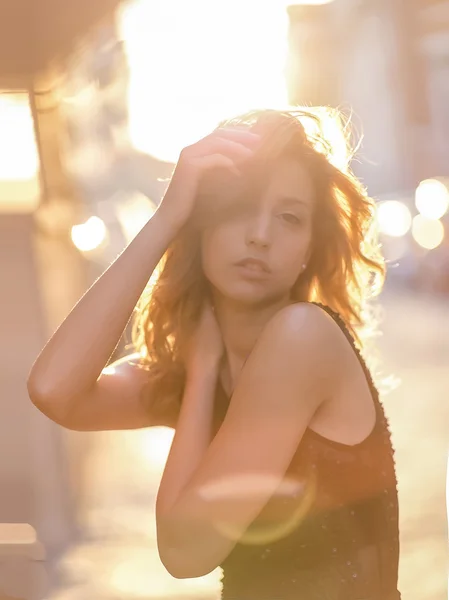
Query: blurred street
(97, 101)
(121, 561)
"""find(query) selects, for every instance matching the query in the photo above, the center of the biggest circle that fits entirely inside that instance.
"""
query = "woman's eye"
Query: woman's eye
(291, 218)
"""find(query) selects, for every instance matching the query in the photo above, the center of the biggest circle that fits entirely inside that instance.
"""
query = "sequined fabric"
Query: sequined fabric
(337, 537)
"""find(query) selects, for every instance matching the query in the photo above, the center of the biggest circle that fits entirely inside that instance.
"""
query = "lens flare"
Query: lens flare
(284, 512)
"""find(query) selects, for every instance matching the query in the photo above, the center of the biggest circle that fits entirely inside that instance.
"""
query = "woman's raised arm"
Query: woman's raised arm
(66, 381)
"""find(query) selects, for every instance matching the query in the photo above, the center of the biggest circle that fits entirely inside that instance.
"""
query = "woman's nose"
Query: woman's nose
(258, 230)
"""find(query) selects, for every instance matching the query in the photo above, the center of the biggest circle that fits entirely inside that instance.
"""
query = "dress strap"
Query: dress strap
(343, 326)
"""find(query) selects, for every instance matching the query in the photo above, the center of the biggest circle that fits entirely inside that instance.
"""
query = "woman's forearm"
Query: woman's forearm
(73, 359)
(192, 438)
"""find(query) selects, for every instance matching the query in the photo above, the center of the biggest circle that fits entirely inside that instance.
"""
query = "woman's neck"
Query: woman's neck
(240, 326)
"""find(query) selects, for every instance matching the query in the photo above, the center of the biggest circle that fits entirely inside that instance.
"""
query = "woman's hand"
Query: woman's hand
(224, 148)
(206, 346)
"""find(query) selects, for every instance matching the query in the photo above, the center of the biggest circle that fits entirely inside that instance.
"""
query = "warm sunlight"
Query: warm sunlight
(155, 446)
(19, 162)
(18, 151)
(132, 213)
(194, 63)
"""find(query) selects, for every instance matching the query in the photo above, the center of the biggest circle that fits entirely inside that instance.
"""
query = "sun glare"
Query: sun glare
(18, 152)
(194, 63)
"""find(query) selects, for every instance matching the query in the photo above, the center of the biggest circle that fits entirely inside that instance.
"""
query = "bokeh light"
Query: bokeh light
(89, 235)
(394, 218)
(395, 248)
(432, 198)
(428, 233)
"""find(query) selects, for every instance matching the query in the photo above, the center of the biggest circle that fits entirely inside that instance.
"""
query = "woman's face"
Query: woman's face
(256, 251)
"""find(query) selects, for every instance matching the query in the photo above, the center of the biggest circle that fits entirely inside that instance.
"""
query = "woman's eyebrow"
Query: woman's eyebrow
(296, 201)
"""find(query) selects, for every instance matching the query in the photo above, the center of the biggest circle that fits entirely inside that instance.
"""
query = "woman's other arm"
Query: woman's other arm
(298, 362)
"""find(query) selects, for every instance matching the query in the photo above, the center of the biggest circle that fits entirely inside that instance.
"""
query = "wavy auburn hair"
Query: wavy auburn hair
(344, 271)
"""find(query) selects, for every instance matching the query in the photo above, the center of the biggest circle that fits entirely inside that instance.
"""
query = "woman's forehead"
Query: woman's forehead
(285, 176)
(280, 177)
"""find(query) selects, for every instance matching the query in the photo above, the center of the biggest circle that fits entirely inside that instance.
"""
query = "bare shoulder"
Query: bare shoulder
(309, 338)
(317, 357)
(307, 326)
(303, 314)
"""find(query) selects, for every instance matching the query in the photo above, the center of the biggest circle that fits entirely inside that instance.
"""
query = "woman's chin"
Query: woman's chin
(249, 295)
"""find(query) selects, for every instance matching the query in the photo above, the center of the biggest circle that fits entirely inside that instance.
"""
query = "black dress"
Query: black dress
(338, 538)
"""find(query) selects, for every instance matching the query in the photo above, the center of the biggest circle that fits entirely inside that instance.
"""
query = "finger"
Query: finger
(241, 135)
(211, 161)
(228, 147)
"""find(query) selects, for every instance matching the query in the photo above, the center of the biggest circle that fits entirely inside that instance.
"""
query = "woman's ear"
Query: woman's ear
(307, 257)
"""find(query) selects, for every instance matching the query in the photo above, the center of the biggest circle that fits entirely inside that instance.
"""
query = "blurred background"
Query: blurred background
(96, 102)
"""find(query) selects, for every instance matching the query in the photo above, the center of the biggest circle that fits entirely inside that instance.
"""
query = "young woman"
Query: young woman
(281, 469)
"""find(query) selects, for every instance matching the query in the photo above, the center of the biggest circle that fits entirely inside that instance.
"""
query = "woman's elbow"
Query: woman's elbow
(184, 563)
(179, 566)
(42, 399)
(49, 405)
(185, 554)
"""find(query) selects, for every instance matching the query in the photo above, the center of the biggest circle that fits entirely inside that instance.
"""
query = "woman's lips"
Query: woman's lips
(253, 266)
